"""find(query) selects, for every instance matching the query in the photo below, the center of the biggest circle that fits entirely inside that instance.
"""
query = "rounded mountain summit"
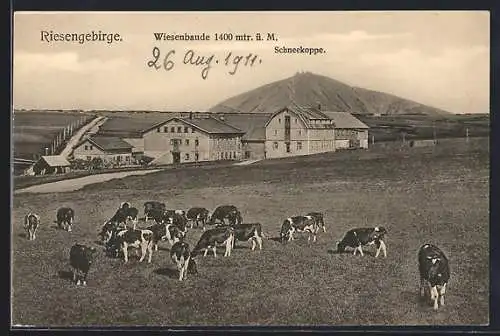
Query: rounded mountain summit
(309, 89)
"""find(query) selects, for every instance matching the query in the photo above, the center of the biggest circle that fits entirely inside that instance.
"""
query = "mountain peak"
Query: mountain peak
(305, 88)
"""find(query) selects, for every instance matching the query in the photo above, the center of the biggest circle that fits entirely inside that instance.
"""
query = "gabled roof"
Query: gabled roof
(208, 125)
(107, 143)
(55, 161)
(253, 124)
(345, 120)
(306, 115)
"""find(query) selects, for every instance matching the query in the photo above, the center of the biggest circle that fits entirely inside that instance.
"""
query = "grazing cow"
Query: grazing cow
(80, 259)
(213, 238)
(181, 256)
(152, 205)
(435, 271)
(319, 219)
(180, 221)
(247, 232)
(65, 218)
(125, 213)
(298, 224)
(168, 232)
(123, 239)
(223, 212)
(356, 238)
(197, 215)
(31, 223)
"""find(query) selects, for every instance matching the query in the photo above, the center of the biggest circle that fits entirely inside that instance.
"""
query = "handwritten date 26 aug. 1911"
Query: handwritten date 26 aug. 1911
(205, 62)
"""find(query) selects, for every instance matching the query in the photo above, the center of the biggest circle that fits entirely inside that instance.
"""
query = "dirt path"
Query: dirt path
(79, 134)
(80, 182)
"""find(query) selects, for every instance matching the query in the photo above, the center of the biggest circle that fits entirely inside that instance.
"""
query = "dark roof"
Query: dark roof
(109, 143)
(254, 124)
(345, 120)
(207, 125)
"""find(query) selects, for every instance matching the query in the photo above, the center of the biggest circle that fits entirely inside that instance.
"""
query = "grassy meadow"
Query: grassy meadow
(436, 195)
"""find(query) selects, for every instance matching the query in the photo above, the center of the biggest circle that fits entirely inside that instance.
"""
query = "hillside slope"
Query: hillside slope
(308, 89)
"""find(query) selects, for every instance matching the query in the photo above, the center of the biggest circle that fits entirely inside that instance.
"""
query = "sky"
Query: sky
(437, 58)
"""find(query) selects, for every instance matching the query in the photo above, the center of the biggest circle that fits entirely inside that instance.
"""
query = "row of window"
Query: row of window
(276, 146)
(345, 132)
(279, 120)
(117, 158)
(226, 155)
(88, 147)
(299, 132)
(187, 156)
(186, 142)
(173, 128)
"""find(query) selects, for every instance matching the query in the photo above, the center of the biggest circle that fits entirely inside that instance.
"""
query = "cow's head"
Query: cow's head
(107, 231)
(341, 246)
(436, 270)
(285, 230)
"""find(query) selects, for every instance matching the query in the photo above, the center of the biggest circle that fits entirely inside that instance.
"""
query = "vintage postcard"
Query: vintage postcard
(250, 169)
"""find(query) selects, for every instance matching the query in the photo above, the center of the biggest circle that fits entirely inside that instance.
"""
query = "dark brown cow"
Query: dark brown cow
(64, 218)
(197, 215)
(181, 255)
(81, 258)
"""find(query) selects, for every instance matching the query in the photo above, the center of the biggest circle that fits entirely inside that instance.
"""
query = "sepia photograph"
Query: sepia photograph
(273, 168)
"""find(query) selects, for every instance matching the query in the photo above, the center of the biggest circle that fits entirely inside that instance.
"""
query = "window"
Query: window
(295, 120)
(275, 145)
(299, 145)
(127, 158)
(118, 158)
(89, 158)
(186, 129)
(179, 129)
(187, 157)
(172, 129)
(187, 142)
(172, 141)
(225, 155)
(288, 148)
(279, 120)
(234, 155)
(300, 132)
(275, 132)
(239, 145)
(196, 142)
(196, 156)
(91, 147)
(230, 155)
(158, 129)
(86, 147)
(192, 130)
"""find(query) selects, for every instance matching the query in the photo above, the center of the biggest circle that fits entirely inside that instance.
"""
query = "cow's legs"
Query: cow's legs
(434, 297)
(422, 287)
(206, 252)
(384, 248)
(253, 243)
(84, 278)
(215, 250)
(442, 291)
(360, 250)
(150, 250)
(74, 275)
(259, 241)
(125, 253)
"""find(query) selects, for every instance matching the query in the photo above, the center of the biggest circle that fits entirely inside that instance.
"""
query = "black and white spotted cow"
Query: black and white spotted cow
(356, 238)
(81, 258)
(31, 224)
(64, 218)
(434, 272)
(319, 218)
(197, 215)
(210, 239)
(247, 232)
(124, 214)
(181, 256)
(168, 232)
(123, 239)
(300, 224)
(153, 206)
(223, 212)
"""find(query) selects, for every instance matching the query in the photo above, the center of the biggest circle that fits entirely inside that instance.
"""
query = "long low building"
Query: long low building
(204, 136)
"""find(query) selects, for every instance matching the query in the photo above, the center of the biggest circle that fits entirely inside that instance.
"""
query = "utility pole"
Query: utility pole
(467, 134)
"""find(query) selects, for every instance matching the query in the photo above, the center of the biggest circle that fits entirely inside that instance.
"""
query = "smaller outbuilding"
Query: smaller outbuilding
(51, 164)
(109, 149)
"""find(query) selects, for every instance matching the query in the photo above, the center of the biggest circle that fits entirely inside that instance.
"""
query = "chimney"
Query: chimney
(190, 115)
(319, 106)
